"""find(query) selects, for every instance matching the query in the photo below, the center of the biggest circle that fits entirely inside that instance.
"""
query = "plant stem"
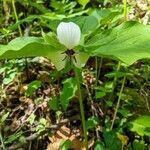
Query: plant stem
(116, 77)
(115, 80)
(125, 9)
(77, 75)
(118, 103)
(100, 66)
(1, 139)
(97, 72)
(96, 75)
(16, 16)
(96, 69)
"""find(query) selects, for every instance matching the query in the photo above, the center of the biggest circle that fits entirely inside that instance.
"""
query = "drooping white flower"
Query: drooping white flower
(68, 34)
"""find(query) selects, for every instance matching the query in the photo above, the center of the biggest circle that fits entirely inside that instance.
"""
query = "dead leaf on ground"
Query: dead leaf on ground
(65, 133)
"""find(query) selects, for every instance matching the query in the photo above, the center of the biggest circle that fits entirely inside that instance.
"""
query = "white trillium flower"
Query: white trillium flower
(69, 34)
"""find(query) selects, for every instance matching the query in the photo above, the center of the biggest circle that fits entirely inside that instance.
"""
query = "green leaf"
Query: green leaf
(22, 139)
(4, 117)
(124, 112)
(111, 140)
(87, 24)
(68, 92)
(106, 16)
(51, 39)
(128, 43)
(99, 146)
(138, 145)
(65, 144)
(32, 87)
(113, 74)
(32, 46)
(48, 47)
(9, 78)
(92, 123)
(81, 59)
(141, 125)
(13, 137)
(2, 70)
(43, 121)
(42, 125)
(31, 118)
(53, 104)
(100, 94)
(83, 2)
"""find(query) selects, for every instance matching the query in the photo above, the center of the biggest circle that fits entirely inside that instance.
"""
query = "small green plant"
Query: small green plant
(32, 87)
(41, 126)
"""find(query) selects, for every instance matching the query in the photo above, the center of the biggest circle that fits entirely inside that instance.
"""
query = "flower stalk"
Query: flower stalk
(77, 75)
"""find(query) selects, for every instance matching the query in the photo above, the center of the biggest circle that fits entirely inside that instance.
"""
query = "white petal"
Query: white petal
(68, 34)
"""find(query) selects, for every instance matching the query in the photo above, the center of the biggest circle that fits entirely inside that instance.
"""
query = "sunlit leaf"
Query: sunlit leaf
(13, 137)
(65, 144)
(128, 42)
(4, 117)
(33, 46)
(9, 77)
(68, 92)
(92, 123)
(141, 125)
(81, 59)
(32, 87)
(99, 146)
(83, 2)
(106, 16)
(87, 24)
(31, 118)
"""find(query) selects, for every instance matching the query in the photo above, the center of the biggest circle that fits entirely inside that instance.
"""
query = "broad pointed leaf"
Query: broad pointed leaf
(87, 24)
(33, 46)
(128, 42)
(68, 92)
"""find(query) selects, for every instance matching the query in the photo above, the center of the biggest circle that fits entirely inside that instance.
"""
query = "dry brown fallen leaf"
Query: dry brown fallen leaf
(64, 133)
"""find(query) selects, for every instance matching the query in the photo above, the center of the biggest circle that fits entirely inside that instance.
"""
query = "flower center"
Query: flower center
(70, 55)
(70, 52)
